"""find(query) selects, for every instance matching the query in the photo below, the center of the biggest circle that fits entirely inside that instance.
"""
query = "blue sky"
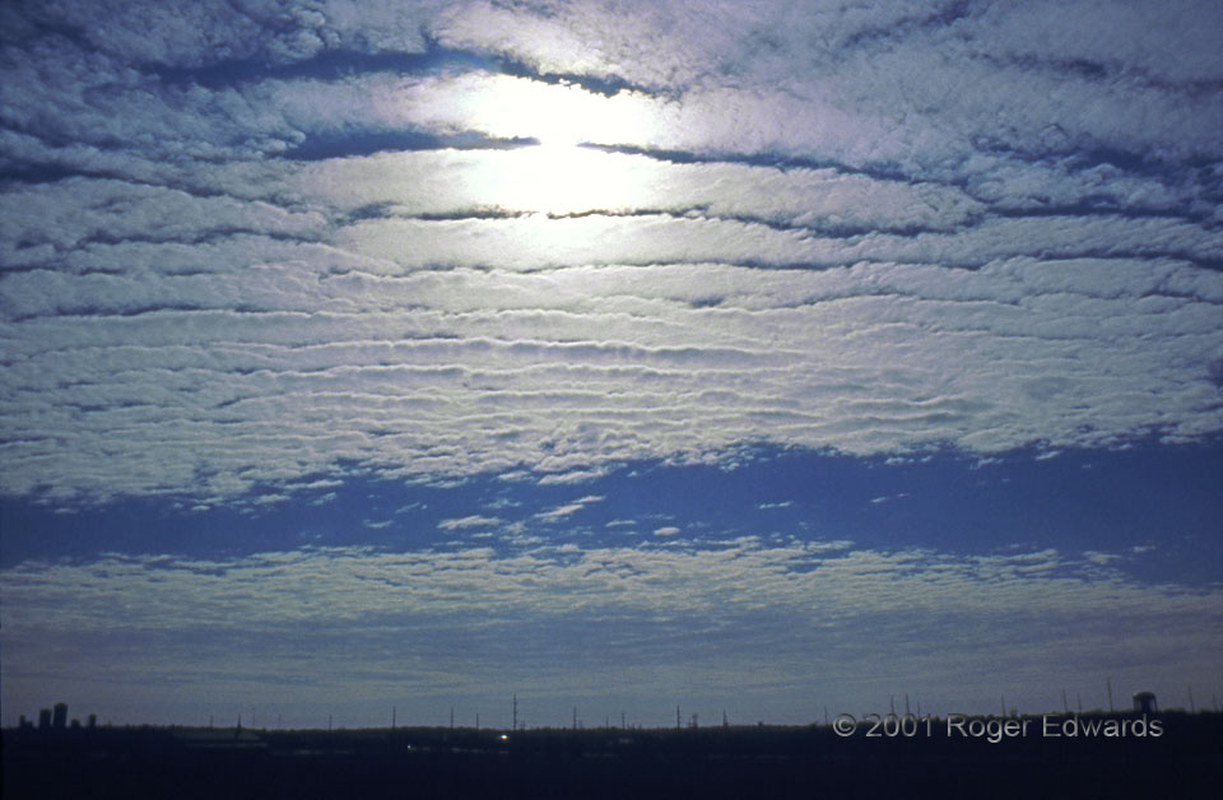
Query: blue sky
(766, 359)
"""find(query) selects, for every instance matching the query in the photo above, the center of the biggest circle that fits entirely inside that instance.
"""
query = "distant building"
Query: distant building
(60, 720)
(44, 718)
(1144, 703)
(93, 720)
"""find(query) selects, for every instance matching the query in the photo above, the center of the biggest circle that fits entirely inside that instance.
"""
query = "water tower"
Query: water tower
(1144, 703)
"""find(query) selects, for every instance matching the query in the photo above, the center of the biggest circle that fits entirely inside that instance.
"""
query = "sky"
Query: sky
(768, 359)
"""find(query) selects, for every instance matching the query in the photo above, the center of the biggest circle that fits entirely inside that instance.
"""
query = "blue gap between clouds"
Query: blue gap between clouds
(1109, 501)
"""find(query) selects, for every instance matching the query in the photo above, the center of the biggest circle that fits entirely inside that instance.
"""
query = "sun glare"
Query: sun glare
(558, 176)
(560, 179)
(560, 115)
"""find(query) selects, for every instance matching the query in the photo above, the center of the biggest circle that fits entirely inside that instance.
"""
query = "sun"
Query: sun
(560, 114)
(561, 173)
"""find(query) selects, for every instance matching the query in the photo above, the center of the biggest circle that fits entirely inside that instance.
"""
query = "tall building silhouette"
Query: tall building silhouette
(60, 719)
(1144, 703)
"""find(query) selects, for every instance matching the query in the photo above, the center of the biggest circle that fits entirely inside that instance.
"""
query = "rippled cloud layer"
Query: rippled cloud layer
(508, 258)
(320, 235)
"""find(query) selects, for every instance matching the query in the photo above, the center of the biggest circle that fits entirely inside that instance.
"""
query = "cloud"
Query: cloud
(561, 512)
(572, 477)
(306, 370)
(251, 252)
(465, 523)
(160, 613)
(308, 240)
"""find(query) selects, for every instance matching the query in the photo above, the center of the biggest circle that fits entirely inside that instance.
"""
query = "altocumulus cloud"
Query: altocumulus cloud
(251, 254)
(750, 604)
(811, 247)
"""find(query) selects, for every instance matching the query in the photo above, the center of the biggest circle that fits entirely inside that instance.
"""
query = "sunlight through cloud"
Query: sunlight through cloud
(559, 115)
(347, 338)
(558, 175)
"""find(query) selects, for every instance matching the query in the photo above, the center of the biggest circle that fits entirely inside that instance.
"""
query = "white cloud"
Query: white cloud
(870, 228)
(571, 477)
(561, 512)
(464, 523)
(975, 236)
(574, 370)
(171, 622)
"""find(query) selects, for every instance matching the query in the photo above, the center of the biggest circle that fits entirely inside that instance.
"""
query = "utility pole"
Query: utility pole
(623, 724)
(575, 718)
(394, 710)
(677, 725)
(725, 722)
(515, 723)
(452, 718)
(1109, 683)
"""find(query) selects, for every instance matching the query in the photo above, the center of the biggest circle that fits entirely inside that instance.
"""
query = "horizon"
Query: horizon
(609, 724)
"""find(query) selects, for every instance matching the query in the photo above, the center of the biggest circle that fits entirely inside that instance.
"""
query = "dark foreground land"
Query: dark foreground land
(1185, 760)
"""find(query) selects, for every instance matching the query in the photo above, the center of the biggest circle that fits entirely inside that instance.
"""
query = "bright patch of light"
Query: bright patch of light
(557, 176)
(560, 115)
(554, 179)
